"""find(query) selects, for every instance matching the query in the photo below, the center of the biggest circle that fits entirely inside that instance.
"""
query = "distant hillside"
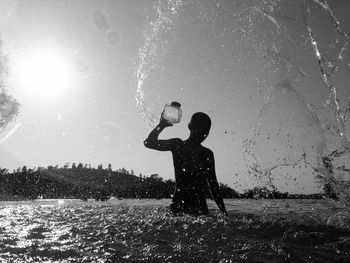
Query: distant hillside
(84, 183)
(67, 183)
(100, 184)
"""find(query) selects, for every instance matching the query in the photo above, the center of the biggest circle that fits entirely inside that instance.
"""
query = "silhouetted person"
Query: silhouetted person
(194, 166)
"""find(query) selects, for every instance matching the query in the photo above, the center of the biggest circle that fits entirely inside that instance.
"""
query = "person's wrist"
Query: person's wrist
(164, 123)
(161, 126)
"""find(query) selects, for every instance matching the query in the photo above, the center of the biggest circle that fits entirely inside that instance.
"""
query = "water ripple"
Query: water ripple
(133, 231)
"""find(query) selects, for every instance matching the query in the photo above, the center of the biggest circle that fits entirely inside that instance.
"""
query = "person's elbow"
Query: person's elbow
(146, 143)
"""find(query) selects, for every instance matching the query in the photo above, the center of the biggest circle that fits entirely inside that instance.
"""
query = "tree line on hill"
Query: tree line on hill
(85, 182)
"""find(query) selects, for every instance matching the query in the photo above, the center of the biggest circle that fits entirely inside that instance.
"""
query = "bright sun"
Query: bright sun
(43, 74)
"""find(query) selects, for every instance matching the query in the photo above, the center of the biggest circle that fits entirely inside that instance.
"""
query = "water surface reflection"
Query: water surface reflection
(144, 230)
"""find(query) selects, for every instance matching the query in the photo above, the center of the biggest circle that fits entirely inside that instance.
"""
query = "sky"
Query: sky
(93, 76)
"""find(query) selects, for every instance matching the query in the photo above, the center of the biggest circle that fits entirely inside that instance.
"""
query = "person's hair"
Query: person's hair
(200, 122)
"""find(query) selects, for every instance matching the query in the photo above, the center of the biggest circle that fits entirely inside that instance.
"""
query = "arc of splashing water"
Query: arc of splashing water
(151, 53)
(332, 101)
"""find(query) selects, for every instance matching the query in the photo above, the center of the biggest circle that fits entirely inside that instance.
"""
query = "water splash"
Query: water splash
(335, 171)
(145, 230)
(152, 51)
(288, 133)
(294, 132)
(330, 66)
(319, 140)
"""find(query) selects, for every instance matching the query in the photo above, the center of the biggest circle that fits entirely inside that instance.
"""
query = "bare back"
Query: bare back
(192, 164)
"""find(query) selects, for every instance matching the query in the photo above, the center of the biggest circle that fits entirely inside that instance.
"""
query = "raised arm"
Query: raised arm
(153, 142)
(214, 185)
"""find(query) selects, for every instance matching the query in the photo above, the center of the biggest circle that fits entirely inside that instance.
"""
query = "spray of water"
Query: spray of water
(291, 132)
(330, 66)
(312, 135)
(334, 171)
(152, 52)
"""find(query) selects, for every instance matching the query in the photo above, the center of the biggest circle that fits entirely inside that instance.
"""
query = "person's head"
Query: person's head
(199, 127)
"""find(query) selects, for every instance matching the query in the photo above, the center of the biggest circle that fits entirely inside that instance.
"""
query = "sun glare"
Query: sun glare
(43, 75)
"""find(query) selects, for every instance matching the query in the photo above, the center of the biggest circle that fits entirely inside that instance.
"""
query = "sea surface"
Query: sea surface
(146, 231)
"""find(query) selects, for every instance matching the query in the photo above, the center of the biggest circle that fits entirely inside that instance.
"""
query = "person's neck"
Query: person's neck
(192, 140)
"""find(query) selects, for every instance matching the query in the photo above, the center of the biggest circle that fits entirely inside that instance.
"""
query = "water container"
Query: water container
(172, 113)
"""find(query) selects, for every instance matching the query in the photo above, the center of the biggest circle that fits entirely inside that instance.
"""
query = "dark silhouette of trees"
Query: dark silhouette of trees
(228, 192)
(265, 193)
(84, 183)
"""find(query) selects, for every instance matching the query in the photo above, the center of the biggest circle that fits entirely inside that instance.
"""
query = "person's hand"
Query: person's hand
(164, 122)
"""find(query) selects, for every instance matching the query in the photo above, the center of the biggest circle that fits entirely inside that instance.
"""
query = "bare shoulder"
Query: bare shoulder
(207, 153)
(176, 142)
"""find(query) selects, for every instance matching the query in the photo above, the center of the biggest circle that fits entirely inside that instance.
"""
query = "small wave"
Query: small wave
(128, 231)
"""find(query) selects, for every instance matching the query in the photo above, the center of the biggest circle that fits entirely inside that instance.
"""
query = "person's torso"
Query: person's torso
(191, 168)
